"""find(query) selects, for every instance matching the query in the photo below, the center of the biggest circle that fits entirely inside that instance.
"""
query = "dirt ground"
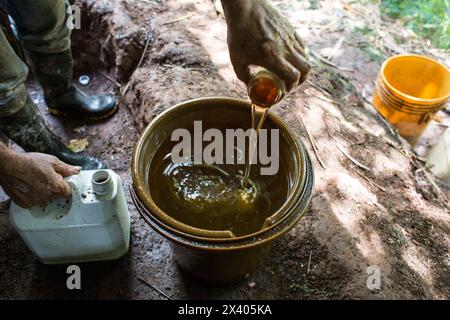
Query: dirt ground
(392, 216)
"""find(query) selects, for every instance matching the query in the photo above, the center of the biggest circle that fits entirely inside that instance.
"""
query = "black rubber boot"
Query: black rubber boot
(27, 128)
(54, 72)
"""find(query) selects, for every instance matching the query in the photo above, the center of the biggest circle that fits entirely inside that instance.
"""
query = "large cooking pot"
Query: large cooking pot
(219, 256)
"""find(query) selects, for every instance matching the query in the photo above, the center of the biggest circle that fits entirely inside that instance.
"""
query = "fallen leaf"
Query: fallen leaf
(78, 145)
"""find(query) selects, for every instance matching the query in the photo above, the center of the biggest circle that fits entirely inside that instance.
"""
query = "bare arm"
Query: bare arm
(33, 179)
(259, 35)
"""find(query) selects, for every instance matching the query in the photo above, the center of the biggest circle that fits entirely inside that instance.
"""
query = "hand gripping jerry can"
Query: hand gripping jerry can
(93, 225)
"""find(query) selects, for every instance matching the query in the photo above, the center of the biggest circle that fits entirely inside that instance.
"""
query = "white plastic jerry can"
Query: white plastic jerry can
(94, 225)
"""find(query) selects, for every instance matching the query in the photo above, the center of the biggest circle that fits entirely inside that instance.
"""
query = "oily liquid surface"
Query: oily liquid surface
(213, 197)
(222, 196)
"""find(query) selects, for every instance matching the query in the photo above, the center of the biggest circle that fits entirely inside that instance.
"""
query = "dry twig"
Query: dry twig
(331, 64)
(179, 19)
(325, 92)
(371, 181)
(110, 79)
(381, 118)
(312, 141)
(321, 97)
(355, 162)
(405, 153)
(329, 25)
(154, 288)
(309, 262)
(140, 61)
(387, 124)
(430, 179)
(337, 46)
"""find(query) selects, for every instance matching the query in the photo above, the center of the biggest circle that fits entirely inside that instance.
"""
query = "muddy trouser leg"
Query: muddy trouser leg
(41, 24)
(20, 119)
(44, 33)
(13, 73)
(42, 28)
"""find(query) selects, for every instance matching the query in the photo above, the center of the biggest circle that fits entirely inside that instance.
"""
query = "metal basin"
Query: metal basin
(218, 256)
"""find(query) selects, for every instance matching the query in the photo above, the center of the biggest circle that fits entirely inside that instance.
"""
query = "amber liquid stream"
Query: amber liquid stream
(264, 93)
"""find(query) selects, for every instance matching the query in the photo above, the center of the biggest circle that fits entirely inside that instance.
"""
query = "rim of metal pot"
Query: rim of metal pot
(234, 243)
(204, 234)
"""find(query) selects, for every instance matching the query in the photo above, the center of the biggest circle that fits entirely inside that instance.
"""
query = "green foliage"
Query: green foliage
(428, 18)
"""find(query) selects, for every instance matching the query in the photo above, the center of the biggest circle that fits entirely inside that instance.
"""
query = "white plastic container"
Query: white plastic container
(439, 158)
(94, 225)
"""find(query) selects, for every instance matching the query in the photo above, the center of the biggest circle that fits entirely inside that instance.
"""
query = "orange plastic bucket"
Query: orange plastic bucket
(410, 90)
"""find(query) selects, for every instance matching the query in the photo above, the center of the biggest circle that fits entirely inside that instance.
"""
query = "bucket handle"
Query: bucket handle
(145, 214)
